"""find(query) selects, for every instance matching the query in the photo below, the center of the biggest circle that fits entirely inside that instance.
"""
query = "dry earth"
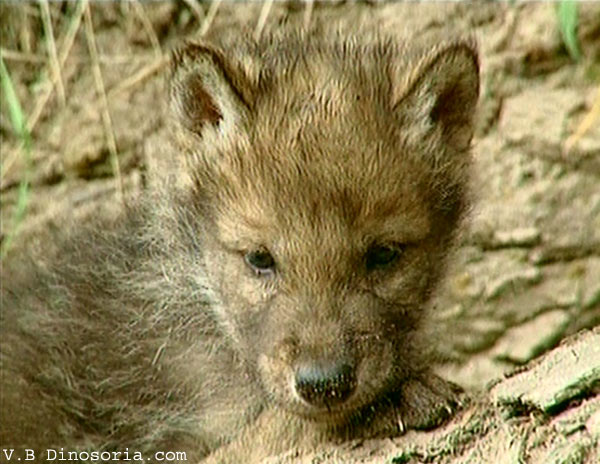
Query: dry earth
(527, 274)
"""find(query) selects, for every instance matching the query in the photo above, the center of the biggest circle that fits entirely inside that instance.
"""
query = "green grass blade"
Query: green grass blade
(19, 124)
(567, 21)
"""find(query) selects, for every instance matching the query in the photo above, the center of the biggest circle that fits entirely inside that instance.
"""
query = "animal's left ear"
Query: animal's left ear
(440, 93)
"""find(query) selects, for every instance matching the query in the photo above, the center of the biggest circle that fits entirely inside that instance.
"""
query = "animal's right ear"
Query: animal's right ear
(204, 89)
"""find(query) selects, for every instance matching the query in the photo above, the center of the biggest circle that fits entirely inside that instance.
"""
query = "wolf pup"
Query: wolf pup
(269, 293)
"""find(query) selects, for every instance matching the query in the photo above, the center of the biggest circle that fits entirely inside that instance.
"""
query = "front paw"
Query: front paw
(421, 403)
(428, 401)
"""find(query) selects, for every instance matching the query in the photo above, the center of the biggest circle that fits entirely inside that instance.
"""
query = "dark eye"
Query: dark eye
(260, 261)
(381, 256)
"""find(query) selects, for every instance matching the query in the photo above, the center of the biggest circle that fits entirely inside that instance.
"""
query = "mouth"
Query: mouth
(327, 409)
(326, 415)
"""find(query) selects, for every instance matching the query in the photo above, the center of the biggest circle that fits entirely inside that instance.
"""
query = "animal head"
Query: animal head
(330, 177)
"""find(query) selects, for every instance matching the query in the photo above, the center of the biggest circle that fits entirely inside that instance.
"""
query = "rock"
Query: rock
(512, 281)
(584, 416)
(573, 451)
(541, 107)
(476, 372)
(565, 373)
(522, 237)
(523, 343)
(483, 333)
(588, 272)
(557, 288)
(593, 424)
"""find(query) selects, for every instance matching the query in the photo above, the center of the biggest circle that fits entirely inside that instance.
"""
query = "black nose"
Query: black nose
(325, 384)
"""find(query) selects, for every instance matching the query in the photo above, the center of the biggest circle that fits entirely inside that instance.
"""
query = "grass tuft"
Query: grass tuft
(567, 22)
(18, 122)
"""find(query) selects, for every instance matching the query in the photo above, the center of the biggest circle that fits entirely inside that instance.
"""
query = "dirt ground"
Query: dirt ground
(527, 273)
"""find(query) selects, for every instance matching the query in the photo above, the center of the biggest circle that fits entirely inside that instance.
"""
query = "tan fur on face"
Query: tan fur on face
(338, 147)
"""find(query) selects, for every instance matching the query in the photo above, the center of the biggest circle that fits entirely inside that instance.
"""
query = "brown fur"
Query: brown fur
(153, 333)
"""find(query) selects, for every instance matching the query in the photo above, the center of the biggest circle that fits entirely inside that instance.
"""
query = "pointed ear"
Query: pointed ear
(205, 90)
(441, 93)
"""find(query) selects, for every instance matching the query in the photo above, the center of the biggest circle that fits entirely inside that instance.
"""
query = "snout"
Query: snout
(325, 383)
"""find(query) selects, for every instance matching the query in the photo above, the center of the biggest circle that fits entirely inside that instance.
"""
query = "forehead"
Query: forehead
(324, 151)
(340, 189)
